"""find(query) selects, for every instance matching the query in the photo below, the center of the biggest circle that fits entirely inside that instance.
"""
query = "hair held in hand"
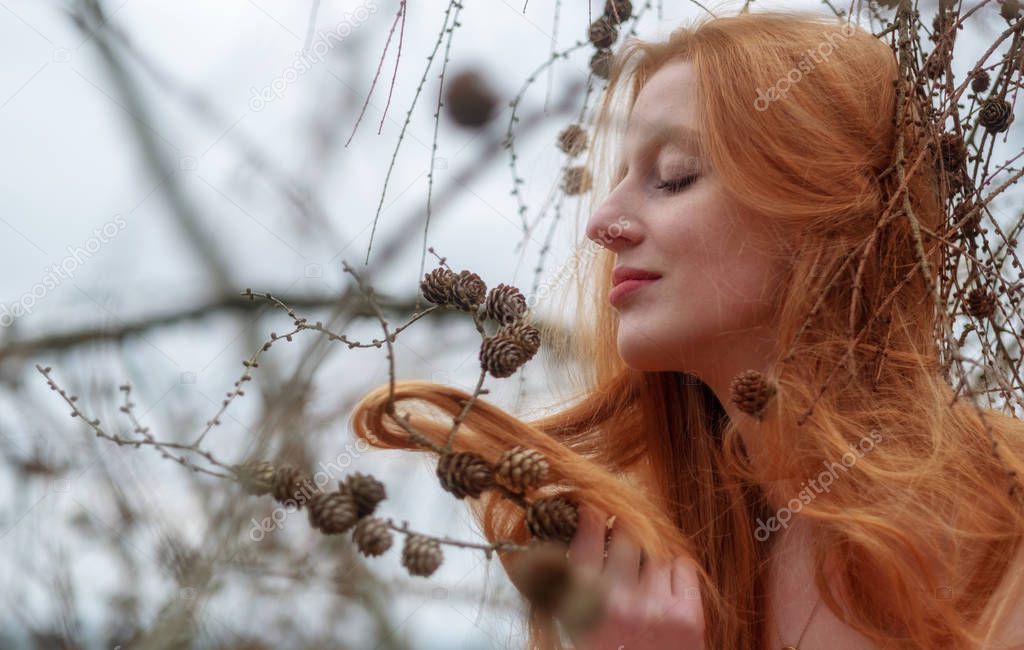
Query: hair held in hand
(864, 345)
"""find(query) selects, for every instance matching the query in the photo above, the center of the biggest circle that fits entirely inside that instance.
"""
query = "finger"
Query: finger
(655, 577)
(586, 549)
(623, 563)
(685, 583)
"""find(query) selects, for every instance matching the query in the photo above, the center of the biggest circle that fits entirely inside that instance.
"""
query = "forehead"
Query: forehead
(665, 107)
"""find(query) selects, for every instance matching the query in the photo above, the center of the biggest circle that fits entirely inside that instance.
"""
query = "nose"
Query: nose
(611, 227)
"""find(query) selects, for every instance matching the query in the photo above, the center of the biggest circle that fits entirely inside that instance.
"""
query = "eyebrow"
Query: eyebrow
(663, 134)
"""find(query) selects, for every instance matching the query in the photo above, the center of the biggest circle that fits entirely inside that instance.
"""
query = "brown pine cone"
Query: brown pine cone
(372, 536)
(980, 82)
(256, 477)
(527, 335)
(1010, 9)
(501, 355)
(505, 304)
(577, 180)
(366, 490)
(573, 140)
(468, 291)
(601, 63)
(618, 10)
(751, 392)
(293, 484)
(552, 518)
(520, 469)
(952, 151)
(470, 100)
(437, 286)
(602, 32)
(981, 303)
(333, 512)
(421, 555)
(939, 25)
(967, 213)
(465, 473)
(544, 575)
(935, 65)
(995, 115)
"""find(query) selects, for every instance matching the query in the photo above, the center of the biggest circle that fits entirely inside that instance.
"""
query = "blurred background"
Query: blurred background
(160, 157)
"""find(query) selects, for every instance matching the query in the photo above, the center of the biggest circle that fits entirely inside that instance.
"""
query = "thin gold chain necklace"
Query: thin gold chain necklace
(806, 625)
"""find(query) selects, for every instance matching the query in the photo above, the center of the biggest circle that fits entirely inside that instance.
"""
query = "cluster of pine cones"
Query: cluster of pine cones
(465, 473)
(577, 178)
(348, 507)
(515, 342)
(604, 31)
(351, 506)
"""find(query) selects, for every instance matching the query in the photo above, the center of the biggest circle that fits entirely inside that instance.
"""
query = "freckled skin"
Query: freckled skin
(711, 313)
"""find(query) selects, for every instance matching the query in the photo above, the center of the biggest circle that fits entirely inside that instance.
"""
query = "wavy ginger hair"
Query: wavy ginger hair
(918, 533)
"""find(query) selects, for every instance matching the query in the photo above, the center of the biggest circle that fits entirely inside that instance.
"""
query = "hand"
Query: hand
(649, 605)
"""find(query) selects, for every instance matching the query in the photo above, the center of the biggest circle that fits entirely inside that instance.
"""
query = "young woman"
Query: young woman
(750, 220)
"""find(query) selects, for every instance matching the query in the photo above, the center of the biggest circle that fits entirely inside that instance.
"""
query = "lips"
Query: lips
(626, 280)
(623, 273)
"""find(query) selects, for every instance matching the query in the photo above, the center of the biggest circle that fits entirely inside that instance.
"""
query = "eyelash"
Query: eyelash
(677, 185)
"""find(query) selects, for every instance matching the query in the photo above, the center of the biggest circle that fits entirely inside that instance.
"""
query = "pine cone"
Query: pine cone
(525, 334)
(470, 100)
(545, 575)
(952, 151)
(372, 536)
(601, 63)
(552, 518)
(618, 10)
(501, 355)
(293, 484)
(465, 474)
(602, 32)
(577, 180)
(981, 303)
(995, 114)
(333, 512)
(521, 469)
(505, 304)
(256, 477)
(437, 286)
(468, 291)
(1010, 9)
(421, 555)
(935, 65)
(970, 216)
(979, 83)
(573, 140)
(751, 392)
(366, 490)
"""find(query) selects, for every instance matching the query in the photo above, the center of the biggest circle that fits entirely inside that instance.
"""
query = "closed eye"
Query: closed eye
(677, 185)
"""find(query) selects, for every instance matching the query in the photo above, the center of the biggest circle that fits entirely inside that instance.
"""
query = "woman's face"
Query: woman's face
(709, 312)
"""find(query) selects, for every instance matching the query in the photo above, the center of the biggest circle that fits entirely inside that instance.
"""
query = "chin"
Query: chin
(643, 353)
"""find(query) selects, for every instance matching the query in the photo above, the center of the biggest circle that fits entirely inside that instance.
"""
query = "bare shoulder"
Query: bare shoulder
(1005, 613)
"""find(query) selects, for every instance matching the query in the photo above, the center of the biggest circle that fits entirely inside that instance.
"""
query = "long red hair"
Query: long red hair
(858, 354)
